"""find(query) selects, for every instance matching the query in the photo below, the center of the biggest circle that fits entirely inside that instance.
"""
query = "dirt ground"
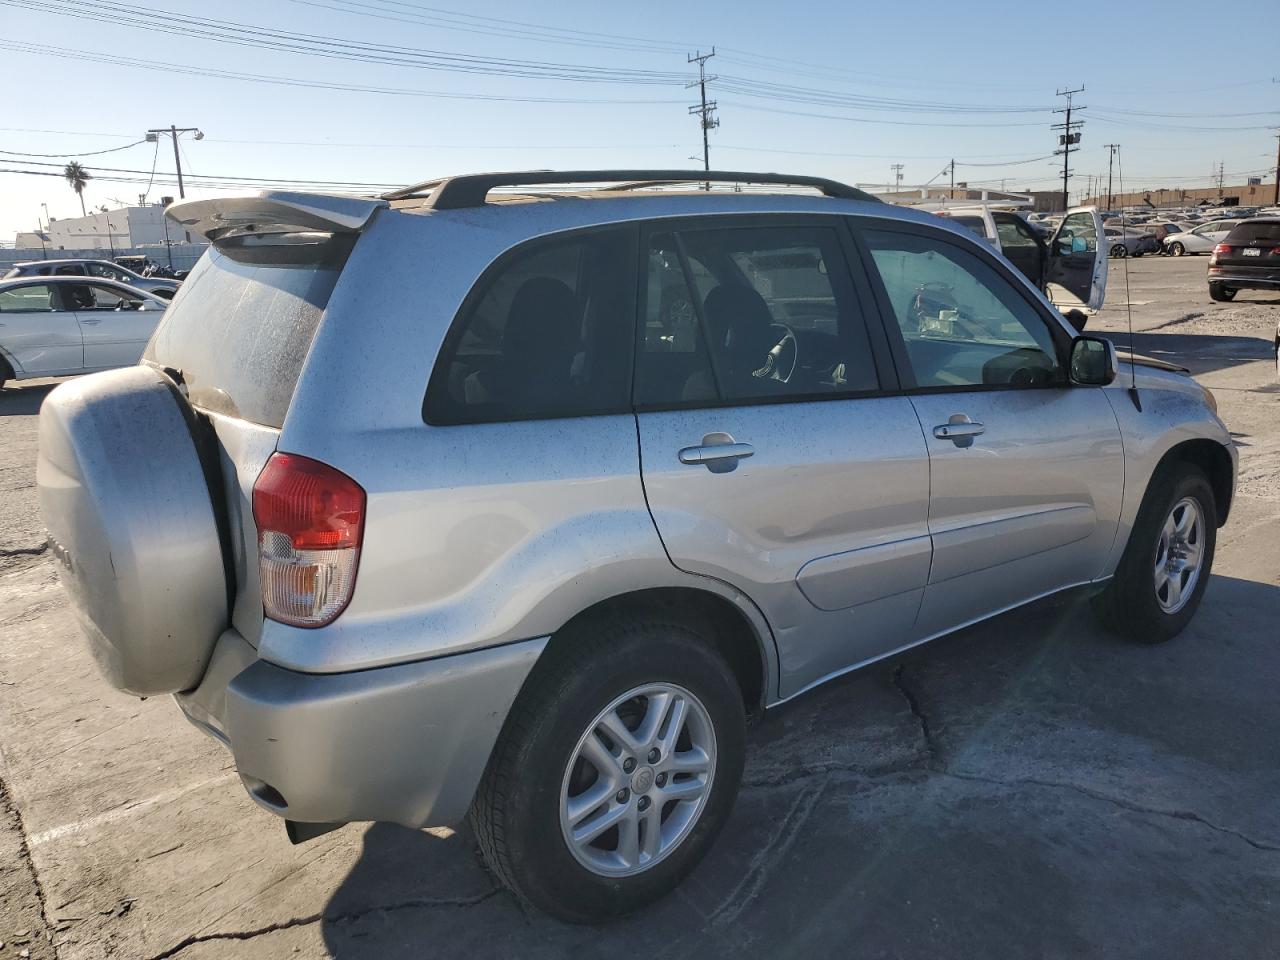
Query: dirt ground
(1028, 787)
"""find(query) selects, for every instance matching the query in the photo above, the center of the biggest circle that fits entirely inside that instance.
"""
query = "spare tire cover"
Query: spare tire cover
(129, 515)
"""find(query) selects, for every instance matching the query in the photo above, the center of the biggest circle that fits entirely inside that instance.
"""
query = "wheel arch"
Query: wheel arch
(739, 635)
(1212, 458)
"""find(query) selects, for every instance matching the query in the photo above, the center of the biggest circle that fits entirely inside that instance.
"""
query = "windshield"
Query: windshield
(240, 326)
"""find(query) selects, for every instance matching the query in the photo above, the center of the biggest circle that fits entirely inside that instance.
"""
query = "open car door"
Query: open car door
(1076, 275)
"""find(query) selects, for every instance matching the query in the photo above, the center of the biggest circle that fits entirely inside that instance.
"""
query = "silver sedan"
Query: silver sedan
(57, 326)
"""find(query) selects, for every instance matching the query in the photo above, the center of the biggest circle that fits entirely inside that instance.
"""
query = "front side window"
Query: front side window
(547, 334)
(103, 270)
(68, 270)
(33, 297)
(749, 314)
(963, 324)
(94, 296)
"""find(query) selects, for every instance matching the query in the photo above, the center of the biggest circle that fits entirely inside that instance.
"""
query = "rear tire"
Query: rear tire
(1220, 293)
(540, 787)
(1156, 590)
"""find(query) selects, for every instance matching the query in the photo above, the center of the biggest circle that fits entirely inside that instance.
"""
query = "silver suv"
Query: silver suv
(522, 505)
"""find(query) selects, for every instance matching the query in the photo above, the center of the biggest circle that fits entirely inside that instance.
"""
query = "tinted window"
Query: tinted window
(547, 333)
(770, 313)
(240, 327)
(974, 224)
(1262, 232)
(103, 270)
(33, 297)
(962, 322)
(1014, 232)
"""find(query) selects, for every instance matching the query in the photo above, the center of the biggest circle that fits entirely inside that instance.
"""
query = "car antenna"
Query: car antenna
(1128, 300)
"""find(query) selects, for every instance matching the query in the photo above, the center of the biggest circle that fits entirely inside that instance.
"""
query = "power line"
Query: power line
(45, 50)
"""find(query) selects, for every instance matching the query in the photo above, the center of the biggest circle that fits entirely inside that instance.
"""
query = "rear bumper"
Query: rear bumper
(404, 744)
(1246, 281)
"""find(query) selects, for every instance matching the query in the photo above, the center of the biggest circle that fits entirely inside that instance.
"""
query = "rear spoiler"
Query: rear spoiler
(274, 211)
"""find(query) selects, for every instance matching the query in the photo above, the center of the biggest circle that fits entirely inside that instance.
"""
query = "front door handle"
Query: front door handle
(959, 429)
(719, 453)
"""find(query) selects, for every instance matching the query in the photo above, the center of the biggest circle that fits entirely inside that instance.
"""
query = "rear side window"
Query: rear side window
(240, 326)
(749, 314)
(1246, 233)
(33, 296)
(547, 333)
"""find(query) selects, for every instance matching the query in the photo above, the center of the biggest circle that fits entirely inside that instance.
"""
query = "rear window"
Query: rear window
(1264, 232)
(241, 324)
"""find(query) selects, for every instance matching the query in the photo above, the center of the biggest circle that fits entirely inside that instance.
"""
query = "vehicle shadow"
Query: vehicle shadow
(1199, 352)
(952, 801)
(22, 400)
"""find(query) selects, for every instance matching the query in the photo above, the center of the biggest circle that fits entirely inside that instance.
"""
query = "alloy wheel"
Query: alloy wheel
(1179, 553)
(638, 780)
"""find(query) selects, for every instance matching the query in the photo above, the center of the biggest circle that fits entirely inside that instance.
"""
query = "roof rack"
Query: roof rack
(454, 193)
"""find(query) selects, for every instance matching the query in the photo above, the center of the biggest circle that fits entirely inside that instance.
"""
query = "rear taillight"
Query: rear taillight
(310, 520)
(1220, 249)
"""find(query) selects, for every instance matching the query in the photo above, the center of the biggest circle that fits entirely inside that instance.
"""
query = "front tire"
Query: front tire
(1119, 251)
(616, 769)
(1177, 249)
(1162, 575)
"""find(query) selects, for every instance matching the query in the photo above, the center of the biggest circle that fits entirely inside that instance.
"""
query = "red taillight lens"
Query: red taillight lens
(1275, 251)
(310, 520)
(1220, 249)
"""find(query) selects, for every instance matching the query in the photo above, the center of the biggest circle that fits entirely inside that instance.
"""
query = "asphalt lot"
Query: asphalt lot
(1027, 788)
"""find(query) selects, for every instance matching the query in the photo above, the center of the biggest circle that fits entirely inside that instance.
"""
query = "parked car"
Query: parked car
(616, 474)
(1201, 239)
(1248, 258)
(57, 326)
(157, 286)
(1069, 248)
(1127, 243)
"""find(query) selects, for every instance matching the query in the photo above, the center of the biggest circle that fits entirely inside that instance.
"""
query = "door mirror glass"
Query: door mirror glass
(1093, 361)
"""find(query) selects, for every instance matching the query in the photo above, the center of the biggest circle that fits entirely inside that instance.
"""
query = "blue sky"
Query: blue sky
(927, 80)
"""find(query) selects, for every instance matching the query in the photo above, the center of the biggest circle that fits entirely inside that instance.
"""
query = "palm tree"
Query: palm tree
(77, 178)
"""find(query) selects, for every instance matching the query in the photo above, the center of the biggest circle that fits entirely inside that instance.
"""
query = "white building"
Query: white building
(118, 229)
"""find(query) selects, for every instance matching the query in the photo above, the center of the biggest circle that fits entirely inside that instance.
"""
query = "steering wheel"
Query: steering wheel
(776, 361)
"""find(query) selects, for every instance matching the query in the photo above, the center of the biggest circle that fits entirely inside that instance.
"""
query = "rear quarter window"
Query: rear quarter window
(241, 324)
(1246, 233)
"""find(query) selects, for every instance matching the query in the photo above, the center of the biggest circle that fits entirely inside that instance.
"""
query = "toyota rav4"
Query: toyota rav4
(492, 499)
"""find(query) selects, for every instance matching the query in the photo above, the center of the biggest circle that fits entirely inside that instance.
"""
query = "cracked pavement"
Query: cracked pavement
(1027, 787)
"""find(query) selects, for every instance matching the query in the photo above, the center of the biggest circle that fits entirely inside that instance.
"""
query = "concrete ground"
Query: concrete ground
(1029, 787)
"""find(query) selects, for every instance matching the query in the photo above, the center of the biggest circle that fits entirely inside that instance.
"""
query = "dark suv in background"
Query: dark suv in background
(1248, 258)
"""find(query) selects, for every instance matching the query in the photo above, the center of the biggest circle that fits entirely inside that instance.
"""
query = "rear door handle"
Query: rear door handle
(960, 430)
(719, 453)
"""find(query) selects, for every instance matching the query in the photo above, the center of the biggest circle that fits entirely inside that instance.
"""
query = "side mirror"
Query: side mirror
(1077, 319)
(1093, 361)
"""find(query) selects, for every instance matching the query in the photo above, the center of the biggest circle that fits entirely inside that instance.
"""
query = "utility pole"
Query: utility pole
(1276, 199)
(953, 178)
(1069, 139)
(705, 111)
(174, 132)
(1111, 159)
(1221, 175)
(897, 176)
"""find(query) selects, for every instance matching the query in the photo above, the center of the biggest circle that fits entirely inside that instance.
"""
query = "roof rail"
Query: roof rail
(470, 190)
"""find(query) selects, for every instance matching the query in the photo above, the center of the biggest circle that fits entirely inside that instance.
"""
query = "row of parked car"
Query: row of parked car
(65, 317)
